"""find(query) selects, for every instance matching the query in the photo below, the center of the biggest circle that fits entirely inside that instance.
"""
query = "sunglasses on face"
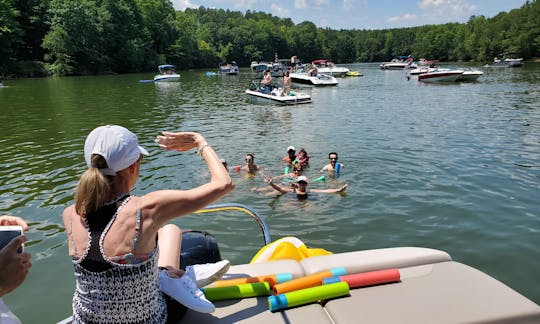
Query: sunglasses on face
(249, 160)
(333, 159)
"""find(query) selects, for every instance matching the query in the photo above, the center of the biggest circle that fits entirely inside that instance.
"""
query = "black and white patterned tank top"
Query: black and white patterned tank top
(122, 293)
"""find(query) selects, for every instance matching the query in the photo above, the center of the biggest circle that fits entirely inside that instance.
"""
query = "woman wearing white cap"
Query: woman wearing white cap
(300, 189)
(122, 265)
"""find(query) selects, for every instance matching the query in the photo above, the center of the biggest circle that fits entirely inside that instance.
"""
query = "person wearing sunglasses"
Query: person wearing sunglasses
(250, 166)
(291, 155)
(334, 165)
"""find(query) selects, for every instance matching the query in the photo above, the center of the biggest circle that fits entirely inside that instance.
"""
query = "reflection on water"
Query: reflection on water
(452, 166)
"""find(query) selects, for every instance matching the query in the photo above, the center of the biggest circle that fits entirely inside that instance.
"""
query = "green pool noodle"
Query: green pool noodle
(237, 291)
(321, 178)
(308, 295)
(286, 171)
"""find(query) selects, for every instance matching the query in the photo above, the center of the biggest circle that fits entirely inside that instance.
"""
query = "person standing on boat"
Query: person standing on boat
(250, 166)
(294, 60)
(14, 266)
(287, 81)
(125, 255)
(267, 81)
(300, 188)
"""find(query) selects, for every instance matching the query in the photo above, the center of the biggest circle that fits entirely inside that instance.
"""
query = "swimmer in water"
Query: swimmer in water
(250, 166)
(300, 189)
(333, 157)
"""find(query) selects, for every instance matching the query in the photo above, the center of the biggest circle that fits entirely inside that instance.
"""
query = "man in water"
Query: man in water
(334, 165)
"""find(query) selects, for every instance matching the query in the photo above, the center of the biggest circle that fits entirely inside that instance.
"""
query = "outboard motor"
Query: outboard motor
(198, 247)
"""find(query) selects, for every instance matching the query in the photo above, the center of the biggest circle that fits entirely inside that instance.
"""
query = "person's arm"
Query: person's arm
(336, 190)
(278, 187)
(164, 205)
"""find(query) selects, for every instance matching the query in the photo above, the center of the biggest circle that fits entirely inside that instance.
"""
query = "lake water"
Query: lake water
(454, 167)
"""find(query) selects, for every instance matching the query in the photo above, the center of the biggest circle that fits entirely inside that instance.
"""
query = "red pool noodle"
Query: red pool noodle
(371, 278)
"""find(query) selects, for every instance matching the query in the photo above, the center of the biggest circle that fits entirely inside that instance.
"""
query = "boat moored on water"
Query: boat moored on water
(327, 67)
(167, 73)
(309, 79)
(399, 63)
(470, 75)
(440, 75)
(229, 69)
(287, 282)
(258, 94)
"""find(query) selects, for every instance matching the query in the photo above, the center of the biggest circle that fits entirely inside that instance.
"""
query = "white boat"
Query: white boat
(399, 63)
(258, 95)
(327, 67)
(277, 69)
(304, 79)
(514, 62)
(167, 73)
(440, 75)
(229, 69)
(425, 286)
(470, 75)
(507, 62)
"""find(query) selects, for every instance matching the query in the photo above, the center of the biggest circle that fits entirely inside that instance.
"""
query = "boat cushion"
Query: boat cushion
(371, 260)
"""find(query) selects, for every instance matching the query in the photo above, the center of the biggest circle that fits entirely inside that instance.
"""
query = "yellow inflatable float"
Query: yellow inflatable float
(288, 247)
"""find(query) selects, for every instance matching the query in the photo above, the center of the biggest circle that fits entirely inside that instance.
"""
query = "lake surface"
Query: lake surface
(454, 167)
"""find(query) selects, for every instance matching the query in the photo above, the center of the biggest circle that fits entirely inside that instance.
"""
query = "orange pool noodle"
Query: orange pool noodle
(272, 279)
(307, 281)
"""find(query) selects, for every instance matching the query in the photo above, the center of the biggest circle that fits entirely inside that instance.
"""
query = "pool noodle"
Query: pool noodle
(321, 178)
(307, 281)
(337, 168)
(237, 291)
(272, 280)
(308, 295)
(364, 279)
(286, 171)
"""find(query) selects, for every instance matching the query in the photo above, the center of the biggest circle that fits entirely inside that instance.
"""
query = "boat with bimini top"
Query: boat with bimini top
(167, 73)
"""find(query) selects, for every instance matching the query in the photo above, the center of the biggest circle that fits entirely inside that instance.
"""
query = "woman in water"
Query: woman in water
(300, 188)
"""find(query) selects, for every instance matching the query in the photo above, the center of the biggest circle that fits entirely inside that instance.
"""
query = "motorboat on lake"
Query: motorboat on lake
(306, 76)
(258, 94)
(229, 69)
(506, 61)
(327, 67)
(470, 75)
(399, 63)
(440, 75)
(383, 285)
(277, 69)
(167, 73)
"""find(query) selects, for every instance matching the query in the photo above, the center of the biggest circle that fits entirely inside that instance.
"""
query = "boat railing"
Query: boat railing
(248, 210)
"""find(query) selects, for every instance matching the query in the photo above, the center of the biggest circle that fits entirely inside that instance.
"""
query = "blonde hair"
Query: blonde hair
(93, 187)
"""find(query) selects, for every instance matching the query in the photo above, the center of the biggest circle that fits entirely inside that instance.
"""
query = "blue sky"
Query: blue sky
(364, 14)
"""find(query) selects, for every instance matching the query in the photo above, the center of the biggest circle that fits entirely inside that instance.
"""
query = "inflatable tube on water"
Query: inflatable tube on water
(337, 169)
(286, 248)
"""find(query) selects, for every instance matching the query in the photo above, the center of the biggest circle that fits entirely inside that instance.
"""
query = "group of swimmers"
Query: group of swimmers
(293, 173)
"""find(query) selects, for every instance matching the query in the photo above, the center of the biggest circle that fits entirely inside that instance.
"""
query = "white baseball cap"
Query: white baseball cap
(302, 178)
(116, 144)
(290, 148)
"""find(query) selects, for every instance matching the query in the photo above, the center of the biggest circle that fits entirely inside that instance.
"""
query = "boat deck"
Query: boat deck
(433, 289)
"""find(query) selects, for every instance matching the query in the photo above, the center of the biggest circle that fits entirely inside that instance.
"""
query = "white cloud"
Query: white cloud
(183, 4)
(348, 5)
(280, 11)
(452, 9)
(404, 17)
(315, 4)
